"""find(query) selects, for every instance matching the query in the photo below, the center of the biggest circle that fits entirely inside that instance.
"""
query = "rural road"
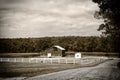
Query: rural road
(104, 71)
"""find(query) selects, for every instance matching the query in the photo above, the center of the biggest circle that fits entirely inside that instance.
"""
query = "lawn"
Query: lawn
(32, 69)
(18, 55)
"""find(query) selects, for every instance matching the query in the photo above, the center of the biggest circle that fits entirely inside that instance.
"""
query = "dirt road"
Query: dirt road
(104, 71)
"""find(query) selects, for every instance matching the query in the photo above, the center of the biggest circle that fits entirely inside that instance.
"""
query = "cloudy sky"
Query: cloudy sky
(41, 18)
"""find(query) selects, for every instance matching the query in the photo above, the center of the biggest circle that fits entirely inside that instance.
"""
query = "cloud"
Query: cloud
(36, 18)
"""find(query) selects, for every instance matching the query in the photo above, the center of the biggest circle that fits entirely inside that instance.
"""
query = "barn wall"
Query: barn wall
(54, 53)
(57, 52)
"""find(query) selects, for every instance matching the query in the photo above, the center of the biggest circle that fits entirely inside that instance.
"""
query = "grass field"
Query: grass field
(18, 55)
(71, 54)
(107, 54)
(33, 69)
(30, 69)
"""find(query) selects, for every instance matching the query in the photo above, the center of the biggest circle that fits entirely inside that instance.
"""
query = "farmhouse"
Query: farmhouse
(56, 51)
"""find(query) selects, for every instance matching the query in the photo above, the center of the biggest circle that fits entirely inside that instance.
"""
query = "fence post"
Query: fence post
(43, 60)
(29, 60)
(87, 60)
(66, 61)
(74, 61)
(14, 59)
(36, 60)
(21, 59)
(58, 60)
(95, 61)
(7, 59)
(80, 61)
(51, 60)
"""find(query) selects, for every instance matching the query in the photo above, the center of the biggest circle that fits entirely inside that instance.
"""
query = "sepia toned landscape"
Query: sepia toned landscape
(59, 40)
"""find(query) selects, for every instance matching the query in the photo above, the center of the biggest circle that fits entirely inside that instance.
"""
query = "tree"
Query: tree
(110, 13)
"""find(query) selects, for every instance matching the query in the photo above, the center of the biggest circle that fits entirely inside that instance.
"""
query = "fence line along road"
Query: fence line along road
(54, 60)
(42, 60)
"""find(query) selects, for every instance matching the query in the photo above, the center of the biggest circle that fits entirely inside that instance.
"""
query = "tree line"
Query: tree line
(70, 43)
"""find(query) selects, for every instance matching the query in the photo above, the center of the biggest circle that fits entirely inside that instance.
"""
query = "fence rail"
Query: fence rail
(52, 60)
(40, 60)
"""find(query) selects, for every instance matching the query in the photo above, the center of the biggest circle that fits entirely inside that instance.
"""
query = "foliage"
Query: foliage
(110, 13)
(70, 43)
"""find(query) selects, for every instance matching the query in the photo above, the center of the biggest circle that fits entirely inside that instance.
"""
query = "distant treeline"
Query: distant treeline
(70, 43)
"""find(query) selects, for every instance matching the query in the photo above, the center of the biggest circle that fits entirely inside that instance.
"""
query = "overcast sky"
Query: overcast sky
(41, 18)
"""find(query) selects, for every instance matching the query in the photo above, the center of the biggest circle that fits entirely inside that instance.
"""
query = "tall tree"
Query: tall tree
(110, 13)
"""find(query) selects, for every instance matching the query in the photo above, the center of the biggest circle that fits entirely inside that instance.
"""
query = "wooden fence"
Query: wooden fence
(52, 60)
(41, 60)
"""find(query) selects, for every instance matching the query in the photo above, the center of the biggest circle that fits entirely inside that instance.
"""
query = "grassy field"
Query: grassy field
(30, 69)
(18, 55)
(107, 54)
(33, 69)
(71, 54)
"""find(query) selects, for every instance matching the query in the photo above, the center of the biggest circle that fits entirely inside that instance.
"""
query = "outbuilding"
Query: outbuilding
(56, 51)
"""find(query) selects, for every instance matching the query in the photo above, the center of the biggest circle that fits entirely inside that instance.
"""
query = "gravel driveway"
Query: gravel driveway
(104, 71)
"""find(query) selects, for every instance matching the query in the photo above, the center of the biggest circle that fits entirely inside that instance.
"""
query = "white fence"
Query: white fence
(41, 60)
(53, 60)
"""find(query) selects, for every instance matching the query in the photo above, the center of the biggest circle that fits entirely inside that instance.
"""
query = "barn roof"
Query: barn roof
(59, 47)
